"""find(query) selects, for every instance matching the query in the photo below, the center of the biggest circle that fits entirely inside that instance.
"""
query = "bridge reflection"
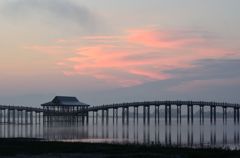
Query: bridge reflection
(191, 135)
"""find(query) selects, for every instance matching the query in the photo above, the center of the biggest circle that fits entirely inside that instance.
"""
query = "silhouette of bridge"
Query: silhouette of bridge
(29, 115)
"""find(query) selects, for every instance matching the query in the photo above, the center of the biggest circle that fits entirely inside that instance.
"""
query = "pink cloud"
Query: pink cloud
(163, 39)
(139, 56)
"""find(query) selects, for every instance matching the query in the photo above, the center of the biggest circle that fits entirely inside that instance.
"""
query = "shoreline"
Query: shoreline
(17, 147)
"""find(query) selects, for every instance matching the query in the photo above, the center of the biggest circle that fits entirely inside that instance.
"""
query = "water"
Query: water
(192, 135)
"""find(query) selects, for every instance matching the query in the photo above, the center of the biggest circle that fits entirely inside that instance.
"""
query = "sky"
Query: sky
(119, 51)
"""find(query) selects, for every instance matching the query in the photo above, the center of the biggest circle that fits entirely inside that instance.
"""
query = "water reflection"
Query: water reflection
(184, 134)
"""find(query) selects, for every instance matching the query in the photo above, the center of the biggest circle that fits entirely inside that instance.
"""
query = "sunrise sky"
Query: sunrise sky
(105, 51)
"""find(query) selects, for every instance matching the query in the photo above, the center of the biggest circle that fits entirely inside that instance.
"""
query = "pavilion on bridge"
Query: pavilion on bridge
(65, 104)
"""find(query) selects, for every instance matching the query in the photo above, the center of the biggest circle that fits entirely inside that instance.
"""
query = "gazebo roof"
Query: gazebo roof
(65, 101)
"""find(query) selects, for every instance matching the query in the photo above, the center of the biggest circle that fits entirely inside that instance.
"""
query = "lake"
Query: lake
(223, 135)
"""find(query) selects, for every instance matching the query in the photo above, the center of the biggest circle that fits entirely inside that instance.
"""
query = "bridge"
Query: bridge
(29, 115)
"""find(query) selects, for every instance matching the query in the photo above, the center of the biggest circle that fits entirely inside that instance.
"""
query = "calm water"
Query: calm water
(196, 135)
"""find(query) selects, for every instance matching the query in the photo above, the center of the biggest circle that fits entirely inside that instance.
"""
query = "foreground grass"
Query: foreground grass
(31, 147)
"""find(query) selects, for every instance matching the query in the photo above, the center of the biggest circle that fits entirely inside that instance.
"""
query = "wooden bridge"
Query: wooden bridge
(146, 106)
(29, 115)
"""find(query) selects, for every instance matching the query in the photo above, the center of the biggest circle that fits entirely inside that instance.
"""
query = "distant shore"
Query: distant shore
(36, 148)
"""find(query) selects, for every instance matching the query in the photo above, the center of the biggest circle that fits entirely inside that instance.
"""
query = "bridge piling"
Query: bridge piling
(155, 114)
(31, 117)
(211, 116)
(215, 114)
(113, 115)
(116, 115)
(8, 121)
(103, 116)
(13, 116)
(180, 110)
(137, 114)
(234, 115)
(26, 117)
(93, 112)
(188, 113)
(144, 115)
(21, 113)
(107, 116)
(97, 117)
(192, 114)
(134, 114)
(177, 114)
(203, 115)
(170, 114)
(1, 116)
(18, 118)
(127, 115)
(123, 115)
(238, 115)
(148, 110)
(166, 114)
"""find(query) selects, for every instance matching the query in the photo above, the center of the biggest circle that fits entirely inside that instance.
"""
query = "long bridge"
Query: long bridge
(29, 115)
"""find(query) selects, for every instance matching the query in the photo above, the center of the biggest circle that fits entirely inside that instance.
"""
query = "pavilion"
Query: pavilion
(65, 104)
(64, 108)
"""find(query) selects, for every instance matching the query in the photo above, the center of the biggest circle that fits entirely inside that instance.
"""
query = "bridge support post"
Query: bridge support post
(200, 114)
(215, 114)
(107, 116)
(4, 115)
(211, 115)
(203, 115)
(19, 116)
(170, 114)
(123, 115)
(238, 115)
(158, 112)
(93, 117)
(155, 114)
(31, 117)
(134, 114)
(1, 116)
(127, 115)
(116, 115)
(180, 114)
(144, 114)
(14, 116)
(87, 116)
(9, 113)
(192, 113)
(113, 115)
(166, 114)
(40, 114)
(137, 114)
(36, 117)
(148, 110)
(188, 113)
(97, 117)
(234, 115)
(103, 116)
(177, 114)
(224, 115)
(26, 117)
